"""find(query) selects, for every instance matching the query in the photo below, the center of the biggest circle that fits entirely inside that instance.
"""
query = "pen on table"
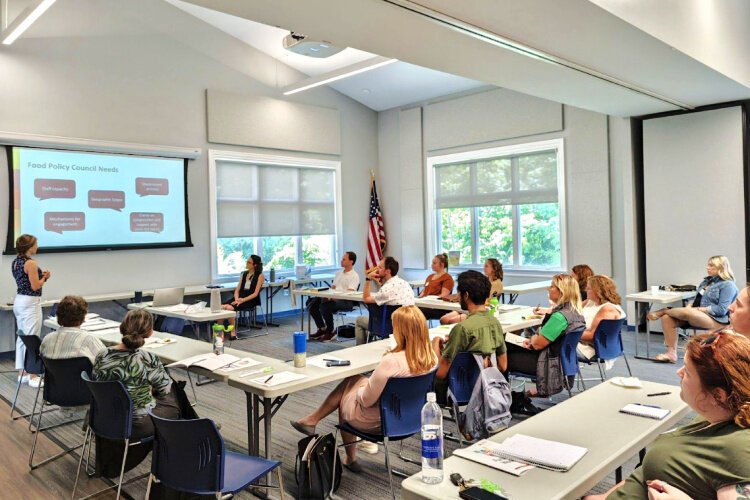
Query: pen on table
(331, 359)
(649, 406)
(659, 394)
(269, 378)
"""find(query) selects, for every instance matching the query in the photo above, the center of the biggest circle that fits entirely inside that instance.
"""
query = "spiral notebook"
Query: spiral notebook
(645, 411)
(553, 455)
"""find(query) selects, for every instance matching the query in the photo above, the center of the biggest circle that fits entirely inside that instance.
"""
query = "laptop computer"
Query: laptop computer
(168, 296)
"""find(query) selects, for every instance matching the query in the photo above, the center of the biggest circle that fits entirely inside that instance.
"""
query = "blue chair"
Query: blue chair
(462, 377)
(400, 415)
(62, 387)
(569, 359)
(32, 365)
(608, 345)
(173, 325)
(189, 456)
(110, 417)
(380, 323)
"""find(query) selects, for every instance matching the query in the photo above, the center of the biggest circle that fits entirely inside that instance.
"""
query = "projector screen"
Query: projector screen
(76, 201)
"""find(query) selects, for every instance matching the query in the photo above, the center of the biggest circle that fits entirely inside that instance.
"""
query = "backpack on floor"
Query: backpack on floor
(346, 331)
(313, 467)
(488, 410)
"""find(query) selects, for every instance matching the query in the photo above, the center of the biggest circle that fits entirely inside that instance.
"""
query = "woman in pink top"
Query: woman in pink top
(357, 398)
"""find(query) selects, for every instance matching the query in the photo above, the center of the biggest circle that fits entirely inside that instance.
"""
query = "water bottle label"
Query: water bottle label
(432, 445)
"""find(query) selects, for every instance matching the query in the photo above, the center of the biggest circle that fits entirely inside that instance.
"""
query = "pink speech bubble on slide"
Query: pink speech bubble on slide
(146, 222)
(54, 188)
(146, 186)
(107, 199)
(59, 222)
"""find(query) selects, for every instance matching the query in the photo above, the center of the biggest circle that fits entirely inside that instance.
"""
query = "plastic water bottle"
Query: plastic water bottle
(432, 441)
(218, 340)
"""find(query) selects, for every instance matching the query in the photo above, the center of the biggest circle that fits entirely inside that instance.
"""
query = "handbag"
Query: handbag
(549, 375)
(346, 331)
(314, 467)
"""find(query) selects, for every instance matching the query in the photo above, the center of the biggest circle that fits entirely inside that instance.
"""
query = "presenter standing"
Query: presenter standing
(27, 305)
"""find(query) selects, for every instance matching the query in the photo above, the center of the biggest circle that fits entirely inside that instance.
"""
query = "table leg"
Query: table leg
(513, 297)
(618, 475)
(641, 314)
(267, 418)
(256, 425)
(302, 313)
(251, 436)
(269, 305)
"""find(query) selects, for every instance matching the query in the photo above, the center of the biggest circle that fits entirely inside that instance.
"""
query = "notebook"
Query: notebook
(512, 338)
(485, 451)
(552, 455)
(209, 361)
(654, 412)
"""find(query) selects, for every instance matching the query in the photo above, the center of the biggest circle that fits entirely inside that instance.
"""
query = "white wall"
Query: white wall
(586, 168)
(150, 88)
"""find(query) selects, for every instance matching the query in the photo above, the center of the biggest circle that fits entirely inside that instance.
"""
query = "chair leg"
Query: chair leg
(388, 466)
(36, 436)
(122, 469)
(281, 481)
(335, 457)
(33, 408)
(148, 486)
(80, 463)
(627, 364)
(601, 372)
(15, 398)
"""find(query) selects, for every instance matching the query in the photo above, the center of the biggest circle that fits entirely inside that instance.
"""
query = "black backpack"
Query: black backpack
(314, 465)
(346, 331)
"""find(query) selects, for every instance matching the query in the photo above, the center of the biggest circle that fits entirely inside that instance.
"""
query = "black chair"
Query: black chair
(32, 365)
(110, 417)
(189, 455)
(63, 387)
(380, 323)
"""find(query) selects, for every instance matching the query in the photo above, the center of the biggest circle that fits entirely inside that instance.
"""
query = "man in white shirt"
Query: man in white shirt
(322, 310)
(69, 341)
(393, 291)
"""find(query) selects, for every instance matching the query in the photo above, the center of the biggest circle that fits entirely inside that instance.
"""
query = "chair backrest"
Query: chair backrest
(111, 412)
(63, 385)
(380, 322)
(32, 361)
(568, 355)
(608, 338)
(401, 404)
(188, 455)
(462, 377)
(173, 325)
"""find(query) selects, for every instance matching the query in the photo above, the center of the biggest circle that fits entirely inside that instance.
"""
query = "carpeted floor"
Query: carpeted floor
(227, 406)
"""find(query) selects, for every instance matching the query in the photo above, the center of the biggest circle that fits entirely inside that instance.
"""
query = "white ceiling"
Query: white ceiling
(388, 87)
(576, 30)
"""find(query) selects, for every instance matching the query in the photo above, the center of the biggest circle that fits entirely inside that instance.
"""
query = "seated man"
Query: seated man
(480, 332)
(322, 310)
(69, 341)
(393, 291)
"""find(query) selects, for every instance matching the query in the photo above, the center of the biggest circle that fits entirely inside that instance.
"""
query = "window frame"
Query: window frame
(280, 161)
(433, 226)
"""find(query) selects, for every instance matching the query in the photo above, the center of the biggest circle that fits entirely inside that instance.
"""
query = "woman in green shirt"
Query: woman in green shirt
(709, 458)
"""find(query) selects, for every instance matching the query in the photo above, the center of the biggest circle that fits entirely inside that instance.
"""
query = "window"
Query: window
(502, 203)
(283, 209)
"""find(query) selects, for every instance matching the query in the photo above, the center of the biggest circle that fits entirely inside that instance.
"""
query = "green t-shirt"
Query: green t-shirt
(554, 327)
(698, 459)
(480, 332)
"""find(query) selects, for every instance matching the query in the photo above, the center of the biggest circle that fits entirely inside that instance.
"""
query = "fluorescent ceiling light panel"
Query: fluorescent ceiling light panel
(340, 74)
(24, 21)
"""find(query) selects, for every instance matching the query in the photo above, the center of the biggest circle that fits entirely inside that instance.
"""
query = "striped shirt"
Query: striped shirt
(70, 342)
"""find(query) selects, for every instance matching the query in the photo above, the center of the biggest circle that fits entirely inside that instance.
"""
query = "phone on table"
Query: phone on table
(477, 493)
(338, 362)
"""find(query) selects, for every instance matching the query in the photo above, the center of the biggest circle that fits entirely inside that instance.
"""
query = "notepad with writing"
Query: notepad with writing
(546, 454)
(208, 361)
(645, 411)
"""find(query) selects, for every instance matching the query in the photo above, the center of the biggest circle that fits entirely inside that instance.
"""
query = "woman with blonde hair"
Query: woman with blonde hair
(603, 302)
(709, 457)
(565, 317)
(357, 398)
(709, 310)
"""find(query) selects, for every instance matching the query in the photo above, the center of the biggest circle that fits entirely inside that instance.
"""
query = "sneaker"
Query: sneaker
(368, 447)
(327, 337)
(24, 379)
(609, 363)
(36, 382)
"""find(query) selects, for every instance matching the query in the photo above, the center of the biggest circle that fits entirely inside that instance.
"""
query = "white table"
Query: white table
(364, 358)
(195, 318)
(643, 303)
(513, 291)
(590, 419)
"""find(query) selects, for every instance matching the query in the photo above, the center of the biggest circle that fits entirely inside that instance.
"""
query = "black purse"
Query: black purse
(313, 467)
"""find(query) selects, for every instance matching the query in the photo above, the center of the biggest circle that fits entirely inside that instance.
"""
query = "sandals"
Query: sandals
(307, 430)
(654, 316)
(663, 358)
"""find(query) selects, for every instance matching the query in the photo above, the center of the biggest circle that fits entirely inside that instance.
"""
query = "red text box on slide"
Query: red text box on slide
(146, 222)
(146, 186)
(54, 188)
(59, 222)
(107, 199)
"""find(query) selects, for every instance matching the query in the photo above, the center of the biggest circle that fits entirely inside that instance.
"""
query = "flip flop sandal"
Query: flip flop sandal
(663, 358)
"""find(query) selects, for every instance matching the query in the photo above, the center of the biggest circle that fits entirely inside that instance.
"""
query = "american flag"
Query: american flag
(375, 232)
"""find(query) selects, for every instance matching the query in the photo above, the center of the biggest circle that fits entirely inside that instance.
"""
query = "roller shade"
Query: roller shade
(274, 200)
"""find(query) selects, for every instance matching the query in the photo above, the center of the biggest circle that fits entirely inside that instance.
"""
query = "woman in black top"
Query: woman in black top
(27, 305)
(247, 293)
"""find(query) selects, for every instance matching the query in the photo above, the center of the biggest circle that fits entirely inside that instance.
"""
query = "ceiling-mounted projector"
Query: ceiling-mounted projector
(301, 44)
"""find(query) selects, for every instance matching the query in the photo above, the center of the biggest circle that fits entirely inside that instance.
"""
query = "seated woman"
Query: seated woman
(247, 293)
(710, 457)
(582, 273)
(565, 317)
(438, 284)
(357, 398)
(493, 269)
(148, 384)
(708, 311)
(603, 303)
(739, 313)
